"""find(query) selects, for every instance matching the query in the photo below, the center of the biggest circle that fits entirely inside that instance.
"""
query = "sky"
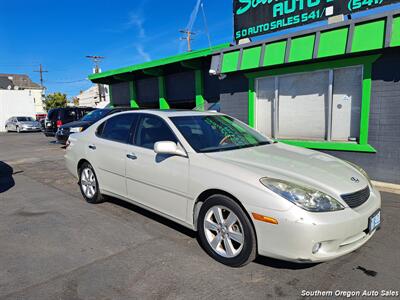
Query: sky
(59, 34)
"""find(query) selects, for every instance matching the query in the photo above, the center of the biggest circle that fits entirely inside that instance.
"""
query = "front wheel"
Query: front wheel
(226, 232)
(89, 185)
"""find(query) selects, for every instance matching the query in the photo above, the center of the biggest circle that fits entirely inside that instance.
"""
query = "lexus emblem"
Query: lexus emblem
(355, 180)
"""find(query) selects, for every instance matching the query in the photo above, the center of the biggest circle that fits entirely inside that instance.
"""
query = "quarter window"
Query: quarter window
(117, 128)
(153, 129)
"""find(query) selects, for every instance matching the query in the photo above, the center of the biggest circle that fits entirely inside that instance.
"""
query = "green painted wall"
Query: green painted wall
(230, 61)
(251, 58)
(368, 36)
(302, 48)
(274, 53)
(395, 33)
(162, 93)
(333, 42)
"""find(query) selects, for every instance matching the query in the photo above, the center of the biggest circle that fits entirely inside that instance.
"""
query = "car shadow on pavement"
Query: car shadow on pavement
(262, 260)
(281, 264)
(153, 216)
(6, 179)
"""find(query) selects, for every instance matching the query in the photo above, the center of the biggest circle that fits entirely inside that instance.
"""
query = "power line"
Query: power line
(205, 24)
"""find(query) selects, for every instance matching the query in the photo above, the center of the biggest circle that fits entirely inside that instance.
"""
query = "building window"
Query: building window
(323, 105)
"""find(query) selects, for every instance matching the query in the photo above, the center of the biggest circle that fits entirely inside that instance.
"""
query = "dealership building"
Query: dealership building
(334, 88)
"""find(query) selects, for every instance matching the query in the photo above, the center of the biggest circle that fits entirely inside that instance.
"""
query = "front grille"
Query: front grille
(357, 198)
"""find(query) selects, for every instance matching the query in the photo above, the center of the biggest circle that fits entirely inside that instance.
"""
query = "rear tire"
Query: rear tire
(226, 232)
(89, 185)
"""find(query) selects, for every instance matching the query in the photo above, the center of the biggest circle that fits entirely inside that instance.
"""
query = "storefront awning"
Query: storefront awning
(370, 33)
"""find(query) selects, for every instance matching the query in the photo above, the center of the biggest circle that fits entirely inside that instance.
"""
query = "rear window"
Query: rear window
(118, 128)
(53, 114)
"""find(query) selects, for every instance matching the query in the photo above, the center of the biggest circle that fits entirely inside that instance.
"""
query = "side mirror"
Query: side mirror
(167, 147)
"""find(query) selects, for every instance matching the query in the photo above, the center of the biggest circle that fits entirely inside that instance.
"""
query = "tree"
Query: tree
(55, 100)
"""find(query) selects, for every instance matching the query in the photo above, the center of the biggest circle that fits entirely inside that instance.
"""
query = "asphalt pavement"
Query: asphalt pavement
(54, 245)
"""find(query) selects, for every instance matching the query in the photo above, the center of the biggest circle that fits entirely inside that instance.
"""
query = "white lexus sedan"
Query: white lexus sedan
(243, 193)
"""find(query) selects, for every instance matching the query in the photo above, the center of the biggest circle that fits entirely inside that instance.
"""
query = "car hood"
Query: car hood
(29, 123)
(299, 165)
(83, 124)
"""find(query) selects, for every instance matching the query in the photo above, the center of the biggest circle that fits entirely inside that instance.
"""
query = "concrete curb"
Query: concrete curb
(387, 187)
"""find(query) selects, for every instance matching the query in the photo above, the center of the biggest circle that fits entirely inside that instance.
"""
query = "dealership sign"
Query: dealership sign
(256, 17)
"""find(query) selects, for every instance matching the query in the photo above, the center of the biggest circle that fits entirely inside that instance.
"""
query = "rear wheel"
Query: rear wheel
(226, 232)
(89, 185)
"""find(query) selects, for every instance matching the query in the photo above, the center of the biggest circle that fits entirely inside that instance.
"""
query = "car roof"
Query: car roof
(174, 112)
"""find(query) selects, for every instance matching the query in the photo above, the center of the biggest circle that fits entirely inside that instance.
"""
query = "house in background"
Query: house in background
(96, 96)
(22, 82)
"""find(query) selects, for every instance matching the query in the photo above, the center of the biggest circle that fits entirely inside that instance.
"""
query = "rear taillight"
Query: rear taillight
(59, 123)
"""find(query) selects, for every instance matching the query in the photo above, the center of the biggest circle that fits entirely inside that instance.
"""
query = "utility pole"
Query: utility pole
(188, 37)
(41, 71)
(96, 61)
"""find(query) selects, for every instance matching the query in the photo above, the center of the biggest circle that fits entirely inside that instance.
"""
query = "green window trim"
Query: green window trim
(366, 61)
(162, 93)
(132, 93)
(199, 89)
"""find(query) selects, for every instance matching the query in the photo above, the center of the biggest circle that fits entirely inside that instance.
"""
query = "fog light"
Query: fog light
(316, 248)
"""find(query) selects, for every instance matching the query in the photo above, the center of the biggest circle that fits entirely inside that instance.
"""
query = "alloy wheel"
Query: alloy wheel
(224, 231)
(88, 182)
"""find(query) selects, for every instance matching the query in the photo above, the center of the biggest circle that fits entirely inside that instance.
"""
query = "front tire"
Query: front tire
(89, 185)
(226, 232)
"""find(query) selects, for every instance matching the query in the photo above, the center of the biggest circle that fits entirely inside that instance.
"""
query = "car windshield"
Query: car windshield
(217, 133)
(25, 119)
(95, 115)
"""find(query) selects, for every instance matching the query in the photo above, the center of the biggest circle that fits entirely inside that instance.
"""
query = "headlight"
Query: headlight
(361, 170)
(304, 197)
(75, 129)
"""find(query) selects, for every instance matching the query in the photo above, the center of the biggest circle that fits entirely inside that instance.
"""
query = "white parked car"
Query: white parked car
(242, 192)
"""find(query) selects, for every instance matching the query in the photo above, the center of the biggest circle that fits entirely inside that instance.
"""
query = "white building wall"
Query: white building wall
(15, 103)
(90, 97)
(37, 95)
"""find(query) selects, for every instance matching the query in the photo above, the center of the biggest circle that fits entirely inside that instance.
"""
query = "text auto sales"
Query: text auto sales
(281, 9)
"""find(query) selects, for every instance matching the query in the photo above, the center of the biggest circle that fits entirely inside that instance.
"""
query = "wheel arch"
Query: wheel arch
(210, 192)
(80, 163)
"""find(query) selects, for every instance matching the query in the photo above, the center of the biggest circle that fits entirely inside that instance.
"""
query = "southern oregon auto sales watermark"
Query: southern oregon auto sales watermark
(350, 294)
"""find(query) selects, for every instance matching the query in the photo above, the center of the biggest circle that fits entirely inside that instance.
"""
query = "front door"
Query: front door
(157, 181)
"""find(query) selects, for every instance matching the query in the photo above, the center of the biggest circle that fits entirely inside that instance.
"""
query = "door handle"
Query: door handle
(131, 156)
(93, 147)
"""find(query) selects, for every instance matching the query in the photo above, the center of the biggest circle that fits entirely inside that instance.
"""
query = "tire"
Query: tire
(18, 130)
(89, 185)
(221, 240)
(7, 130)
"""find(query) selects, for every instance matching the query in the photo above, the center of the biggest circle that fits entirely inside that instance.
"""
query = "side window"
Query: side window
(153, 129)
(99, 130)
(117, 128)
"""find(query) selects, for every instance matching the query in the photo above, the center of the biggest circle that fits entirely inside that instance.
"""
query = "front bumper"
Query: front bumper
(297, 231)
(30, 129)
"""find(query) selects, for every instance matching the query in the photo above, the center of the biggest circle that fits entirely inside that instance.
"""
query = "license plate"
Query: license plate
(374, 221)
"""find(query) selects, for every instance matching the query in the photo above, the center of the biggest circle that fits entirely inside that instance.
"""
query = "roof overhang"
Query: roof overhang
(185, 61)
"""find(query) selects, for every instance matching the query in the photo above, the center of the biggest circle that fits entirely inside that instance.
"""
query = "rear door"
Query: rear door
(155, 180)
(108, 150)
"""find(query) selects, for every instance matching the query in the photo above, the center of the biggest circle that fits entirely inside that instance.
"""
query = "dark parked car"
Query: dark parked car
(59, 116)
(92, 117)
